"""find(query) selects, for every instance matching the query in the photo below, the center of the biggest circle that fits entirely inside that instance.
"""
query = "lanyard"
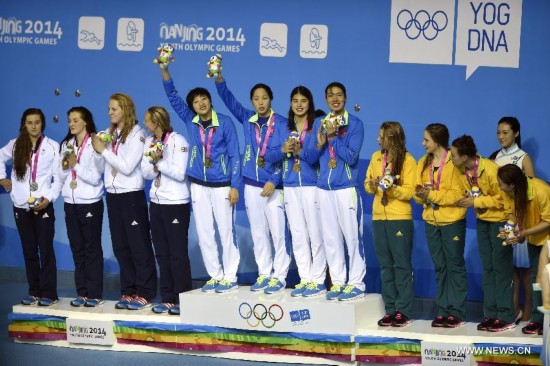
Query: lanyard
(267, 135)
(115, 143)
(80, 150)
(206, 141)
(34, 166)
(435, 185)
(472, 178)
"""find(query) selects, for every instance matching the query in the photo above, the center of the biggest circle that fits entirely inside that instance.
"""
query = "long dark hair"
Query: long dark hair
(511, 174)
(515, 126)
(394, 135)
(302, 90)
(86, 116)
(440, 134)
(23, 143)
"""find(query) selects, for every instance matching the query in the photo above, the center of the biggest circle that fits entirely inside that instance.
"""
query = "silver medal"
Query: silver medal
(73, 184)
(157, 182)
(34, 186)
(114, 172)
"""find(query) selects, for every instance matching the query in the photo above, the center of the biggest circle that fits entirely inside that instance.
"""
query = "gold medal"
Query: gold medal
(296, 166)
(157, 182)
(73, 184)
(261, 161)
(208, 163)
(332, 163)
(34, 186)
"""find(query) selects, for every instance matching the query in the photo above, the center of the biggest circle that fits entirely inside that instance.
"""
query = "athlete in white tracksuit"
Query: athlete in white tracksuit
(169, 209)
(215, 174)
(335, 144)
(263, 186)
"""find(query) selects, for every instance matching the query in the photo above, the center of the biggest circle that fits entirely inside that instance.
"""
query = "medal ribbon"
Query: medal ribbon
(331, 151)
(267, 135)
(116, 142)
(164, 141)
(80, 150)
(34, 167)
(472, 179)
(302, 138)
(206, 144)
(435, 185)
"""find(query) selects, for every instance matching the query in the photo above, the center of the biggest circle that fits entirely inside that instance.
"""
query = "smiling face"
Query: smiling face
(33, 124)
(202, 107)
(336, 99)
(505, 135)
(261, 102)
(429, 144)
(77, 125)
(299, 105)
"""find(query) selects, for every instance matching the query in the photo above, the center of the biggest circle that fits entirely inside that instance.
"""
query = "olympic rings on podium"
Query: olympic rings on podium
(260, 314)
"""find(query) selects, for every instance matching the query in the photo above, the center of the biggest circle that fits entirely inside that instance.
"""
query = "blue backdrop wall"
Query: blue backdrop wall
(462, 63)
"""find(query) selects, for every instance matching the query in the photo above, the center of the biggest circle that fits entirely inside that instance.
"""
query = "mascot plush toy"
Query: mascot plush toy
(337, 121)
(387, 182)
(69, 149)
(294, 136)
(508, 232)
(155, 150)
(214, 66)
(475, 192)
(33, 202)
(165, 55)
(105, 136)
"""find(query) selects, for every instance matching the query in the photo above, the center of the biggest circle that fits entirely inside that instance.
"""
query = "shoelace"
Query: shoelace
(336, 288)
(127, 298)
(140, 300)
(260, 280)
(225, 283)
(211, 282)
(398, 316)
(348, 289)
(311, 286)
(273, 282)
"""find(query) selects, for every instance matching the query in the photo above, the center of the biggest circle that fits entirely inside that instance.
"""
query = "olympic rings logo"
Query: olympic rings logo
(260, 314)
(422, 23)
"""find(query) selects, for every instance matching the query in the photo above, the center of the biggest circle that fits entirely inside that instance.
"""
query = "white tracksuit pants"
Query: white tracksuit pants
(342, 219)
(209, 204)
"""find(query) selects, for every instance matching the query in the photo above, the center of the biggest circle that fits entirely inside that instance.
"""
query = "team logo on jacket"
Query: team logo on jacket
(142, 139)
(184, 149)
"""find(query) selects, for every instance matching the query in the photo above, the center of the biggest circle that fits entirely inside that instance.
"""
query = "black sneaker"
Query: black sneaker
(439, 321)
(499, 325)
(531, 328)
(540, 331)
(453, 322)
(386, 321)
(400, 320)
(485, 324)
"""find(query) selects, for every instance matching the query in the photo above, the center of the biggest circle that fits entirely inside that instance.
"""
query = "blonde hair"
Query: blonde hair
(160, 117)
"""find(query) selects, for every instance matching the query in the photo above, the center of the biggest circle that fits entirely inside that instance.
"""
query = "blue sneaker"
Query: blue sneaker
(93, 303)
(30, 300)
(163, 308)
(175, 310)
(314, 289)
(226, 286)
(138, 303)
(123, 302)
(44, 301)
(299, 289)
(274, 286)
(261, 283)
(351, 292)
(79, 301)
(210, 285)
(334, 292)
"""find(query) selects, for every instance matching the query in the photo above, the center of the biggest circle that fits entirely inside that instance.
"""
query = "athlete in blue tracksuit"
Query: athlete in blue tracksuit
(263, 187)
(336, 143)
(214, 171)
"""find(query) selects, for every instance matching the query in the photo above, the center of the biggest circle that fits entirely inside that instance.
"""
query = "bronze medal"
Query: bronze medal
(332, 163)
(384, 199)
(34, 186)
(261, 161)
(114, 172)
(157, 182)
(73, 184)
(208, 163)
(296, 166)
